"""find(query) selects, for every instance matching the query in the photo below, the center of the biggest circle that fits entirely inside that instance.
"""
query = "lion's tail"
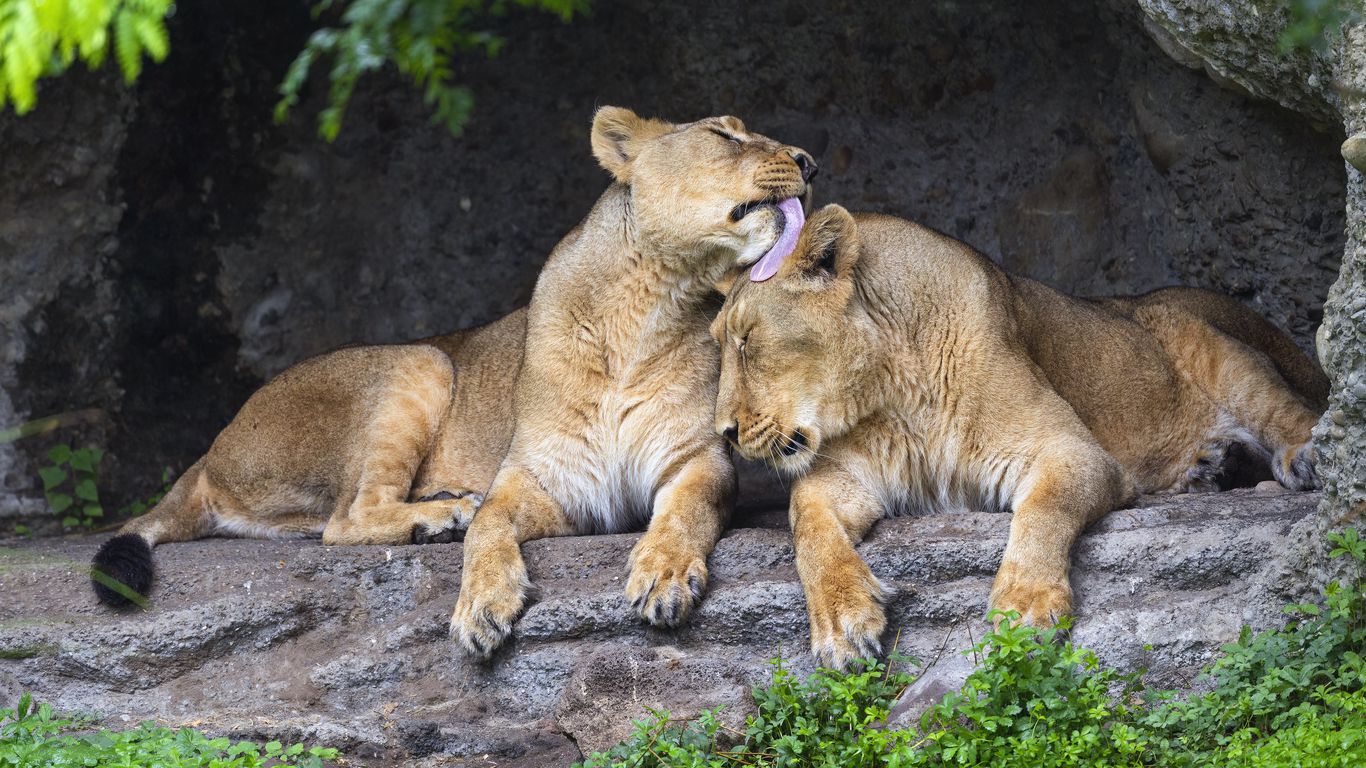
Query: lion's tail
(123, 568)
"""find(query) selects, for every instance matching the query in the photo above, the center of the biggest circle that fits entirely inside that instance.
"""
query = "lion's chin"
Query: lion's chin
(791, 466)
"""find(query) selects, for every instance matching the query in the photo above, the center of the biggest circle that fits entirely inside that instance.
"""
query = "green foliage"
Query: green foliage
(421, 37)
(69, 484)
(71, 487)
(1314, 23)
(42, 38)
(1295, 696)
(1034, 701)
(33, 736)
(826, 720)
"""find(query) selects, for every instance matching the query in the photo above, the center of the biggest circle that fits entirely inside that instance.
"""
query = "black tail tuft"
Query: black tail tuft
(122, 571)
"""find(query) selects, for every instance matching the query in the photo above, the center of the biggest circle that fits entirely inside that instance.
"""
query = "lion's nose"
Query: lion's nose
(805, 164)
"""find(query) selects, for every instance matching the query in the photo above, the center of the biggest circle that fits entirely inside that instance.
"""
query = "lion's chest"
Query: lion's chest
(919, 466)
(615, 447)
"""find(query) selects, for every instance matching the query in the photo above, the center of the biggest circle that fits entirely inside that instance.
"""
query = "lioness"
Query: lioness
(615, 397)
(364, 445)
(894, 369)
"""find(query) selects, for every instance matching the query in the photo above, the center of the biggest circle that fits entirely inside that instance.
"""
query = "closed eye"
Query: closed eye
(726, 136)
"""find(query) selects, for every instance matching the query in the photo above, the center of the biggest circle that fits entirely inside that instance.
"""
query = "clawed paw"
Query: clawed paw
(664, 586)
(847, 618)
(1039, 602)
(1293, 467)
(487, 608)
(452, 528)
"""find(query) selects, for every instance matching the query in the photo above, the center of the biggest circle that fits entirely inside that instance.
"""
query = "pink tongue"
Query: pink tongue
(793, 219)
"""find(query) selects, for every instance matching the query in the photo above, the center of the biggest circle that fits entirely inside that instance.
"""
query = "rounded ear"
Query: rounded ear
(617, 135)
(829, 246)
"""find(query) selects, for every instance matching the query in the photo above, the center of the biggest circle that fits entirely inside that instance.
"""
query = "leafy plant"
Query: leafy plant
(69, 485)
(42, 38)
(33, 736)
(423, 38)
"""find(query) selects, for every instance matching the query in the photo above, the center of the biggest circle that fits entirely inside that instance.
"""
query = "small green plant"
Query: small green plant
(69, 485)
(37, 736)
(422, 38)
(42, 38)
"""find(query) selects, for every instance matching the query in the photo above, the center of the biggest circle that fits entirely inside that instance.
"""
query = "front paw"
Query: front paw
(847, 619)
(1293, 467)
(490, 601)
(665, 584)
(451, 524)
(1040, 602)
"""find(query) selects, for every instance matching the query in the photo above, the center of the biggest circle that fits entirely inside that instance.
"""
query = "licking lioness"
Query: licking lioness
(894, 368)
(614, 402)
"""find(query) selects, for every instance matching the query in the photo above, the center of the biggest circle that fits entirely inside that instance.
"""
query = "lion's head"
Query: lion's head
(705, 187)
(794, 349)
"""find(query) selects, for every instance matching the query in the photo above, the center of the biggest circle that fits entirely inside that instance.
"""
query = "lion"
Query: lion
(894, 369)
(379, 444)
(613, 406)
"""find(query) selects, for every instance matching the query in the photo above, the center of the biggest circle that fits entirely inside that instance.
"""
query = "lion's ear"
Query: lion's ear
(829, 245)
(618, 134)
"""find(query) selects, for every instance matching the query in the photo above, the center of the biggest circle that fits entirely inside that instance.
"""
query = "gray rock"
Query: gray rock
(348, 646)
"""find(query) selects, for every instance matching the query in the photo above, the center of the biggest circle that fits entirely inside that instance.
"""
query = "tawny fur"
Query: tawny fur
(896, 369)
(614, 402)
(343, 444)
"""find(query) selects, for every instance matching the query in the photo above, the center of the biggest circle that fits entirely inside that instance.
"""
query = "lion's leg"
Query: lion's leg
(1070, 483)
(494, 581)
(1034, 451)
(830, 513)
(399, 434)
(1243, 383)
(668, 566)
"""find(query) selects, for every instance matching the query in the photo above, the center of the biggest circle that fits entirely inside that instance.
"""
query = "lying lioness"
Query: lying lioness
(392, 444)
(894, 368)
(614, 402)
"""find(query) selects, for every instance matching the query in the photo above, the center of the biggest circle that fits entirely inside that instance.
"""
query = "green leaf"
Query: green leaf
(85, 489)
(52, 477)
(59, 454)
(59, 502)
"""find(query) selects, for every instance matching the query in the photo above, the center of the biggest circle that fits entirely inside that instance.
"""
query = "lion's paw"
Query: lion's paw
(490, 601)
(1293, 467)
(1040, 602)
(847, 618)
(665, 584)
(453, 522)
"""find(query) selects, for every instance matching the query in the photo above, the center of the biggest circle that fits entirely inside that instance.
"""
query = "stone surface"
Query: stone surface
(1341, 433)
(1237, 43)
(348, 646)
(216, 248)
